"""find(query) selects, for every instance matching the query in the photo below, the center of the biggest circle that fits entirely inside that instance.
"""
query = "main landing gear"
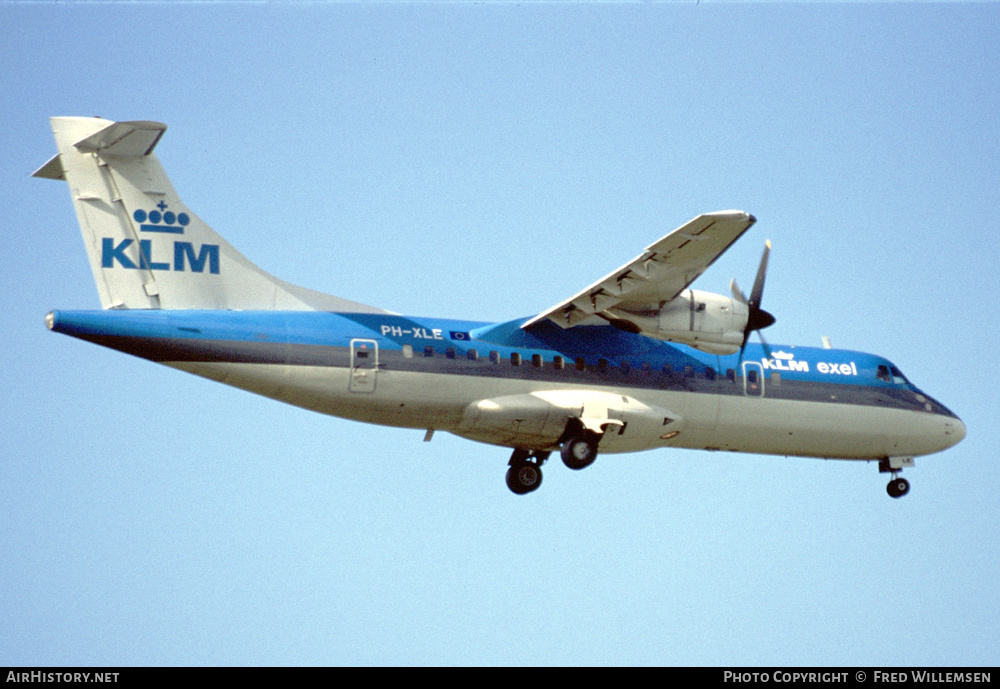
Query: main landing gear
(525, 474)
(580, 451)
(898, 487)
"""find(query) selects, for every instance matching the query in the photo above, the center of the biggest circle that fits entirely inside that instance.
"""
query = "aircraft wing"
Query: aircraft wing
(643, 285)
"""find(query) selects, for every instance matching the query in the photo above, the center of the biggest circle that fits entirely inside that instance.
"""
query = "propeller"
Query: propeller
(758, 318)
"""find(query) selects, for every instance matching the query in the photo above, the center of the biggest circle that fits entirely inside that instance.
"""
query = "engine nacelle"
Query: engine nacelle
(706, 321)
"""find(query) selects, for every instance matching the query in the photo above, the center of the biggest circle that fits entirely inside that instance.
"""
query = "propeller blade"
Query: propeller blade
(758, 284)
(757, 318)
(767, 347)
(737, 292)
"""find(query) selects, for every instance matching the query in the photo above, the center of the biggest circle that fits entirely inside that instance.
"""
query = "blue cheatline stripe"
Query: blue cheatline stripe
(611, 357)
(322, 339)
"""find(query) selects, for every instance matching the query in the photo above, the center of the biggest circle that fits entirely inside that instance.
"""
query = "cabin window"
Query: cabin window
(536, 360)
(775, 378)
(361, 354)
(407, 351)
(668, 369)
(581, 364)
(515, 359)
(710, 373)
(646, 367)
(495, 357)
(428, 351)
(752, 376)
(689, 371)
(558, 362)
(450, 352)
(472, 355)
(602, 364)
(731, 374)
(626, 367)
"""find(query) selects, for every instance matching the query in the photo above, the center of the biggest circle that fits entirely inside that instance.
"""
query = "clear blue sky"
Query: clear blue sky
(486, 160)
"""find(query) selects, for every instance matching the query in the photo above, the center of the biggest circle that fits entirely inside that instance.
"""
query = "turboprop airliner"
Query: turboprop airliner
(636, 361)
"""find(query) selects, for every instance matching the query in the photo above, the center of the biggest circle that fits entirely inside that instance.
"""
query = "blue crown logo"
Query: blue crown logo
(171, 223)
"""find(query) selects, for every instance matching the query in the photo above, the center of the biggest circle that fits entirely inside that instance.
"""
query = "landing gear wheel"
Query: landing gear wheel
(580, 451)
(898, 487)
(524, 477)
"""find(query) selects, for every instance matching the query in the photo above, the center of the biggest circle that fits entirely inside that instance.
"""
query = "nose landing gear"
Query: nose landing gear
(898, 487)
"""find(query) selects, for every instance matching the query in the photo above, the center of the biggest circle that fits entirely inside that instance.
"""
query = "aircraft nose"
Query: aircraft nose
(954, 430)
(948, 431)
(924, 434)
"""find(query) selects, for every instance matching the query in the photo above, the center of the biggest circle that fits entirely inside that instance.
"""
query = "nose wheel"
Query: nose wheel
(898, 487)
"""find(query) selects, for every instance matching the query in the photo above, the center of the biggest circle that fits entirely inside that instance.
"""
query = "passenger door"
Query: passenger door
(364, 366)
(753, 379)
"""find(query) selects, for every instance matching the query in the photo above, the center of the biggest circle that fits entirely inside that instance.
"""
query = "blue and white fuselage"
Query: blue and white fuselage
(431, 373)
(636, 361)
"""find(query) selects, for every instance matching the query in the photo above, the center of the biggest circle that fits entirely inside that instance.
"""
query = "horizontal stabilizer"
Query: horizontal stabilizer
(125, 139)
(51, 170)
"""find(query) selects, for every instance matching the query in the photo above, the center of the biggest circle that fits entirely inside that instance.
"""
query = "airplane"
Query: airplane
(636, 361)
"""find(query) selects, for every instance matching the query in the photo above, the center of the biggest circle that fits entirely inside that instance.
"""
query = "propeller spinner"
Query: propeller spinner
(758, 318)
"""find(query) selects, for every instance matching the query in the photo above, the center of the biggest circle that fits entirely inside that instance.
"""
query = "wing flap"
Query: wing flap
(656, 276)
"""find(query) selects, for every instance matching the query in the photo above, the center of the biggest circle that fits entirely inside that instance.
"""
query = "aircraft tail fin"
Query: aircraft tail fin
(147, 250)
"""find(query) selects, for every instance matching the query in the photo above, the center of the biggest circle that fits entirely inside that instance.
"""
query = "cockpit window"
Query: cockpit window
(897, 377)
(891, 374)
